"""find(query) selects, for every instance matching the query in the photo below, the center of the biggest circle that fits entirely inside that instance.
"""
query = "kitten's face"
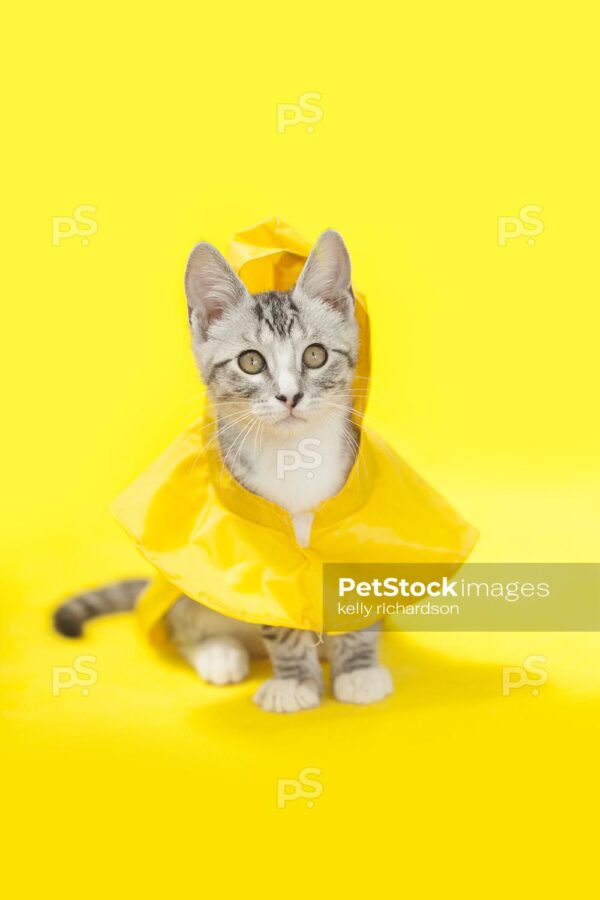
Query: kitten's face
(280, 359)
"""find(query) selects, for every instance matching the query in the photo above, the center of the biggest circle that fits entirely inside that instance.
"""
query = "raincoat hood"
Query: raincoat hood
(214, 541)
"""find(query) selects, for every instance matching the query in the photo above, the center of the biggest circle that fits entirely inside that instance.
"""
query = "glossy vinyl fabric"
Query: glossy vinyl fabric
(216, 542)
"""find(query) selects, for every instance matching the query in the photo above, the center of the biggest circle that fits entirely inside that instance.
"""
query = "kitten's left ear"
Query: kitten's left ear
(327, 273)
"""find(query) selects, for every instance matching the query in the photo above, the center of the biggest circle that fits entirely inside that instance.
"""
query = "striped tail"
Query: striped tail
(71, 615)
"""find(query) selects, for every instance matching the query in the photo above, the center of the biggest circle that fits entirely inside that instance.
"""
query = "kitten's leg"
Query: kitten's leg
(355, 670)
(218, 660)
(298, 680)
(217, 647)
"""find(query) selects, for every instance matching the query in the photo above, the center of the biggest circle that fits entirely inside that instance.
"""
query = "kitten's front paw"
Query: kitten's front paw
(221, 661)
(287, 695)
(363, 685)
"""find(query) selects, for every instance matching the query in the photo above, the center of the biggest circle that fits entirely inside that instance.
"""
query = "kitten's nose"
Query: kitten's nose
(290, 401)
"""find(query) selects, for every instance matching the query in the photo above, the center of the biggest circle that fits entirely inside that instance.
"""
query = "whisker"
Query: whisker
(219, 432)
(229, 451)
(248, 432)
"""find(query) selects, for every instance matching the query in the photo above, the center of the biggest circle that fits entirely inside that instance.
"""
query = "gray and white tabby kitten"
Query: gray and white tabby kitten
(278, 368)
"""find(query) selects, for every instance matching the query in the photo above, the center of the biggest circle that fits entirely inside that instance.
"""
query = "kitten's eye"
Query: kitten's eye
(251, 362)
(314, 356)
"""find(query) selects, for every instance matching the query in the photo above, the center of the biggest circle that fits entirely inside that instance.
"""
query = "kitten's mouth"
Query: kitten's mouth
(291, 415)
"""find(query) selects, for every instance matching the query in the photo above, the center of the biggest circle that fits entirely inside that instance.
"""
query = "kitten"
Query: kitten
(278, 368)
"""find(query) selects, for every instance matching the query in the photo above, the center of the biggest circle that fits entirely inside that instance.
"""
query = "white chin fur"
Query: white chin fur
(281, 426)
(289, 426)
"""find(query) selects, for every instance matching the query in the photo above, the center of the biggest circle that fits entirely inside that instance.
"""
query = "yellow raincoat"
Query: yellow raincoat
(218, 543)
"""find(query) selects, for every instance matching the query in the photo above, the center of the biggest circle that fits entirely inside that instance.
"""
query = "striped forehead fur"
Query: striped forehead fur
(277, 311)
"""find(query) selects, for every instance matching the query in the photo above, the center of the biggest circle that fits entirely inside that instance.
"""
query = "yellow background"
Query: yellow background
(436, 120)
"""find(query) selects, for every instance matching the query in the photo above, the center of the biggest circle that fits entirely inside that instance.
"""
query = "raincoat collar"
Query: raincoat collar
(248, 505)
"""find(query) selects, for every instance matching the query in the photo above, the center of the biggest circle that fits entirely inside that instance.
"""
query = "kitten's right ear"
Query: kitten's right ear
(211, 287)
